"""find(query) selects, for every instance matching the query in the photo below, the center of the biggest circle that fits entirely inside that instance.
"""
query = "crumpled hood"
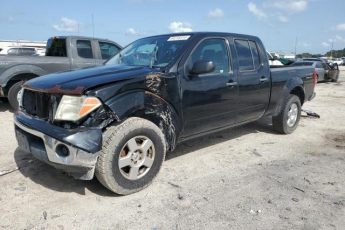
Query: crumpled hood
(76, 82)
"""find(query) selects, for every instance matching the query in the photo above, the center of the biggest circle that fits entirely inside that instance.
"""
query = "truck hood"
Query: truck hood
(78, 81)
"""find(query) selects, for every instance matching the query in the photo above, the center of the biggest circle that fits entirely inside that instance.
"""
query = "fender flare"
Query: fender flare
(292, 86)
(16, 70)
(149, 106)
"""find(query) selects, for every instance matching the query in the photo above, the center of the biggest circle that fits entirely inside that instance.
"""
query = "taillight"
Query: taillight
(315, 78)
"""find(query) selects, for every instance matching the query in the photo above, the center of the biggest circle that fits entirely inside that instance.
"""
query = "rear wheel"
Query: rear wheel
(131, 157)
(13, 95)
(287, 120)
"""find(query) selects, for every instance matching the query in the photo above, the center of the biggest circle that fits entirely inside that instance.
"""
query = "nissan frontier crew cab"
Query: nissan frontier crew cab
(117, 121)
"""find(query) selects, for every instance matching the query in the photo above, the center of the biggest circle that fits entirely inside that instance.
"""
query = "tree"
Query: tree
(336, 53)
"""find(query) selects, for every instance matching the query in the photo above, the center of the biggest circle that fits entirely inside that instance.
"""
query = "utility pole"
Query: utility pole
(332, 50)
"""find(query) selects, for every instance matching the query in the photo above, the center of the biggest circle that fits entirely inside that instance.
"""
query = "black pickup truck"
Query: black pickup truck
(118, 121)
(62, 53)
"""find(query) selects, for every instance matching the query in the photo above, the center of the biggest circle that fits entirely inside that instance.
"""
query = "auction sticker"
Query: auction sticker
(179, 38)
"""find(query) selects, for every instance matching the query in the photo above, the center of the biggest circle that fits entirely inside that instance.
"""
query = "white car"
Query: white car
(339, 61)
(19, 51)
(273, 61)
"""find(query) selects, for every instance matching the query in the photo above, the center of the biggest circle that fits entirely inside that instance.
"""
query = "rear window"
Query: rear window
(56, 47)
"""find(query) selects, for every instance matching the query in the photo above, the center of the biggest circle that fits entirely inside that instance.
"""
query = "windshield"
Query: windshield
(151, 52)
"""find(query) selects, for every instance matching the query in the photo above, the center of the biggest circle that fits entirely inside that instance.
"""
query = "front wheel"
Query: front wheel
(131, 156)
(287, 120)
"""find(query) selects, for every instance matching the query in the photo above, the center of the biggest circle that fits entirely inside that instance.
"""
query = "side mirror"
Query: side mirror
(202, 66)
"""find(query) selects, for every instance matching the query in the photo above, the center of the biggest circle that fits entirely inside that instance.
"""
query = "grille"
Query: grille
(38, 104)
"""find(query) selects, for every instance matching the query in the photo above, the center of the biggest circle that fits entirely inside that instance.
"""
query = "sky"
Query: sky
(316, 25)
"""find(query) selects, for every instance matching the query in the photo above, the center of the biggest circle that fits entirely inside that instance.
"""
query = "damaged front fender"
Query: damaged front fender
(149, 106)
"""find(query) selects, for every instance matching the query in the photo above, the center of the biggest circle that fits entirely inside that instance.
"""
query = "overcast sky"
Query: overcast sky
(315, 23)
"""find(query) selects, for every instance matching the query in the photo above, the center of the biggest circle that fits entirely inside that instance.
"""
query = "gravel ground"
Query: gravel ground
(243, 178)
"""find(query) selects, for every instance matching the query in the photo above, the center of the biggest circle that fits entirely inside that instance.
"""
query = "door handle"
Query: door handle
(262, 79)
(234, 83)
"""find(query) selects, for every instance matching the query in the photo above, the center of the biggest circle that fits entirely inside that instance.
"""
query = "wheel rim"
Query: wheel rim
(136, 157)
(292, 115)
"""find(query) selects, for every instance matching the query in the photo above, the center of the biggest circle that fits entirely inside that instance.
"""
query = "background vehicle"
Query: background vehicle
(338, 61)
(118, 121)
(273, 61)
(330, 73)
(19, 51)
(318, 65)
(62, 53)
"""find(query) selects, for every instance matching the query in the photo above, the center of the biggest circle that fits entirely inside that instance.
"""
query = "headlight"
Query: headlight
(73, 108)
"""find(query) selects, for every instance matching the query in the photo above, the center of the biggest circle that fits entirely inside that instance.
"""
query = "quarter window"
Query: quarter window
(84, 49)
(214, 50)
(108, 50)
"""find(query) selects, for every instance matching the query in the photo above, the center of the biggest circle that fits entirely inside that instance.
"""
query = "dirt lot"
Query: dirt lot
(243, 178)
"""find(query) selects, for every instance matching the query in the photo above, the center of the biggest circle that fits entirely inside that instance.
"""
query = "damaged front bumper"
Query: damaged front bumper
(73, 151)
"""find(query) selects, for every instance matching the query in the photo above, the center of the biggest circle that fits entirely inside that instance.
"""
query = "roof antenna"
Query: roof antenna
(93, 27)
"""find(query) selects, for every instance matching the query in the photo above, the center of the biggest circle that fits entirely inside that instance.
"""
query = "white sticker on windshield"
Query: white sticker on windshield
(179, 38)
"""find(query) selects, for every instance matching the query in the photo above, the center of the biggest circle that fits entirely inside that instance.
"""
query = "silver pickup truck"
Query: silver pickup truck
(62, 54)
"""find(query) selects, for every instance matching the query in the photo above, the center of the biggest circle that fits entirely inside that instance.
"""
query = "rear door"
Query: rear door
(209, 100)
(253, 79)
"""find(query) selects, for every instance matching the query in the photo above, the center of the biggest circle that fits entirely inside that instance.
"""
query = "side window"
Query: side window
(108, 49)
(325, 66)
(84, 49)
(214, 50)
(318, 65)
(245, 59)
(27, 51)
(255, 53)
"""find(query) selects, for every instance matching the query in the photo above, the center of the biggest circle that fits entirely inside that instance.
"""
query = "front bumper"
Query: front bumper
(45, 141)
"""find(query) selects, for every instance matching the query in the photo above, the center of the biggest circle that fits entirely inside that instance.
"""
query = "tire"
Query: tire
(335, 80)
(13, 93)
(117, 141)
(281, 122)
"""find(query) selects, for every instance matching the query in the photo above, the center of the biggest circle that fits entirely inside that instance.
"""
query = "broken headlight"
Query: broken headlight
(73, 108)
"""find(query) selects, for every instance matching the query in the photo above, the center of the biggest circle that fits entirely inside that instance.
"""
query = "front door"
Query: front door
(209, 100)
